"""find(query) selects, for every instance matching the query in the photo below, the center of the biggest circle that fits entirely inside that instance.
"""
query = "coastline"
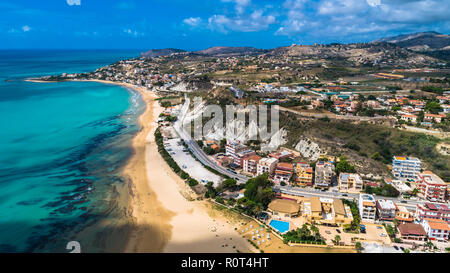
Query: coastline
(155, 215)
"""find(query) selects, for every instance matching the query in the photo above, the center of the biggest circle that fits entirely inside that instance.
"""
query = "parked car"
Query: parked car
(383, 235)
(345, 194)
(338, 231)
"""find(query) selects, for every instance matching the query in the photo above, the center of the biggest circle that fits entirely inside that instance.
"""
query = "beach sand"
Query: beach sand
(158, 217)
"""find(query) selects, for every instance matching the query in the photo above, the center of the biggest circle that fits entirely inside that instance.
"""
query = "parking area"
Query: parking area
(191, 166)
(374, 233)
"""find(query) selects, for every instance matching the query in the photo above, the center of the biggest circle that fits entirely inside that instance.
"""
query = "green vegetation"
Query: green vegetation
(259, 190)
(371, 139)
(354, 226)
(385, 190)
(307, 234)
(344, 167)
(257, 196)
(433, 89)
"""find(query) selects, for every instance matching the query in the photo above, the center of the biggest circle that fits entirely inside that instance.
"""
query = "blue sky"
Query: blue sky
(198, 24)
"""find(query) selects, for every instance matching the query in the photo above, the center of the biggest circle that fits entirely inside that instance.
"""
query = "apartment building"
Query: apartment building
(327, 211)
(433, 211)
(238, 152)
(283, 172)
(304, 174)
(324, 174)
(250, 164)
(367, 208)
(406, 167)
(350, 182)
(266, 165)
(436, 229)
(386, 209)
(403, 215)
(432, 187)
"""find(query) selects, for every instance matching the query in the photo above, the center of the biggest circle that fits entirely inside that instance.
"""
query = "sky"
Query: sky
(199, 24)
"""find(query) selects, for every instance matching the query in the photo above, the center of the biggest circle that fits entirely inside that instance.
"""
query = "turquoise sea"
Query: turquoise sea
(61, 145)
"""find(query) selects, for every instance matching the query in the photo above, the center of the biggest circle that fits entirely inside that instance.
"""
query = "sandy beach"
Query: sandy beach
(160, 218)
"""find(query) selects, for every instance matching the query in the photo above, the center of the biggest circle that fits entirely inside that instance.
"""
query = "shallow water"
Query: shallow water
(62, 145)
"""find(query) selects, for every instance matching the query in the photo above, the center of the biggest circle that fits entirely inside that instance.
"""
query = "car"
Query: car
(402, 248)
(338, 231)
(184, 166)
(328, 232)
(345, 194)
(383, 235)
(404, 201)
(396, 247)
(378, 227)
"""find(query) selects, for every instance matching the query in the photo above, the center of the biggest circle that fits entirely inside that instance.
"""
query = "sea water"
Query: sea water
(61, 145)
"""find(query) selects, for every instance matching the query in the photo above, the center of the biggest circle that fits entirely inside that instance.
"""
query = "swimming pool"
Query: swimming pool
(281, 226)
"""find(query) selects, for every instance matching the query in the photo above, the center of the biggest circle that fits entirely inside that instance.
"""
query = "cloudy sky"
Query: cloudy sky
(197, 24)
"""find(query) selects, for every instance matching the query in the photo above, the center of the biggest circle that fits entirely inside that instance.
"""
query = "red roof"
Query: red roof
(411, 229)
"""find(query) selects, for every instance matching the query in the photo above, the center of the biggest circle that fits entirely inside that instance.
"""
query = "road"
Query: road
(196, 150)
(206, 160)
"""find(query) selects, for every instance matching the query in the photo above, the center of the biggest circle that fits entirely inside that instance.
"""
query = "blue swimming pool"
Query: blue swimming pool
(281, 226)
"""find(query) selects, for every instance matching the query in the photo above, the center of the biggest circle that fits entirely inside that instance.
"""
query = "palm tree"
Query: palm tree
(337, 239)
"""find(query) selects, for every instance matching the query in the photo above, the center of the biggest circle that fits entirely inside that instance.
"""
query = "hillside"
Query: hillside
(231, 51)
(420, 41)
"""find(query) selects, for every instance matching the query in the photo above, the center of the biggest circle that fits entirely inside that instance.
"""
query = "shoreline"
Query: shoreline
(154, 214)
(156, 217)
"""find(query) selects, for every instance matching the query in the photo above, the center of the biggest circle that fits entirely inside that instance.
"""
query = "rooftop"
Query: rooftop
(386, 204)
(284, 206)
(411, 229)
(438, 224)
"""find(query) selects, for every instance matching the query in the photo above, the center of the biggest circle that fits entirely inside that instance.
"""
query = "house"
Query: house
(432, 187)
(283, 172)
(284, 208)
(436, 229)
(327, 211)
(412, 232)
(266, 165)
(409, 118)
(250, 164)
(350, 182)
(433, 117)
(386, 209)
(324, 174)
(433, 211)
(367, 208)
(304, 174)
(406, 167)
(403, 215)
(237, 151)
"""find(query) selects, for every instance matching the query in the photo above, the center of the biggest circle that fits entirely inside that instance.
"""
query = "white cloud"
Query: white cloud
(73, 2)
(255, 21)
(26, 28)
(240, 5)
(133, 33)
(192, 21)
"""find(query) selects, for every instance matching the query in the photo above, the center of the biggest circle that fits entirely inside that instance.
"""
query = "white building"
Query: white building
(406, 167)
(386, 209)
(266, 165)
(436, 229)
(367, 208)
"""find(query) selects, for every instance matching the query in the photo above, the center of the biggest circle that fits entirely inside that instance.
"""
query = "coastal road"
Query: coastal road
(196, 150)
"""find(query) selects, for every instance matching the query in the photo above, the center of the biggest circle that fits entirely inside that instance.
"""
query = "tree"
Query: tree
(259, 190)
(337, 239)
(229, 183)
(377, 156)
(358, 246)
(344, 167)
(433, 107)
